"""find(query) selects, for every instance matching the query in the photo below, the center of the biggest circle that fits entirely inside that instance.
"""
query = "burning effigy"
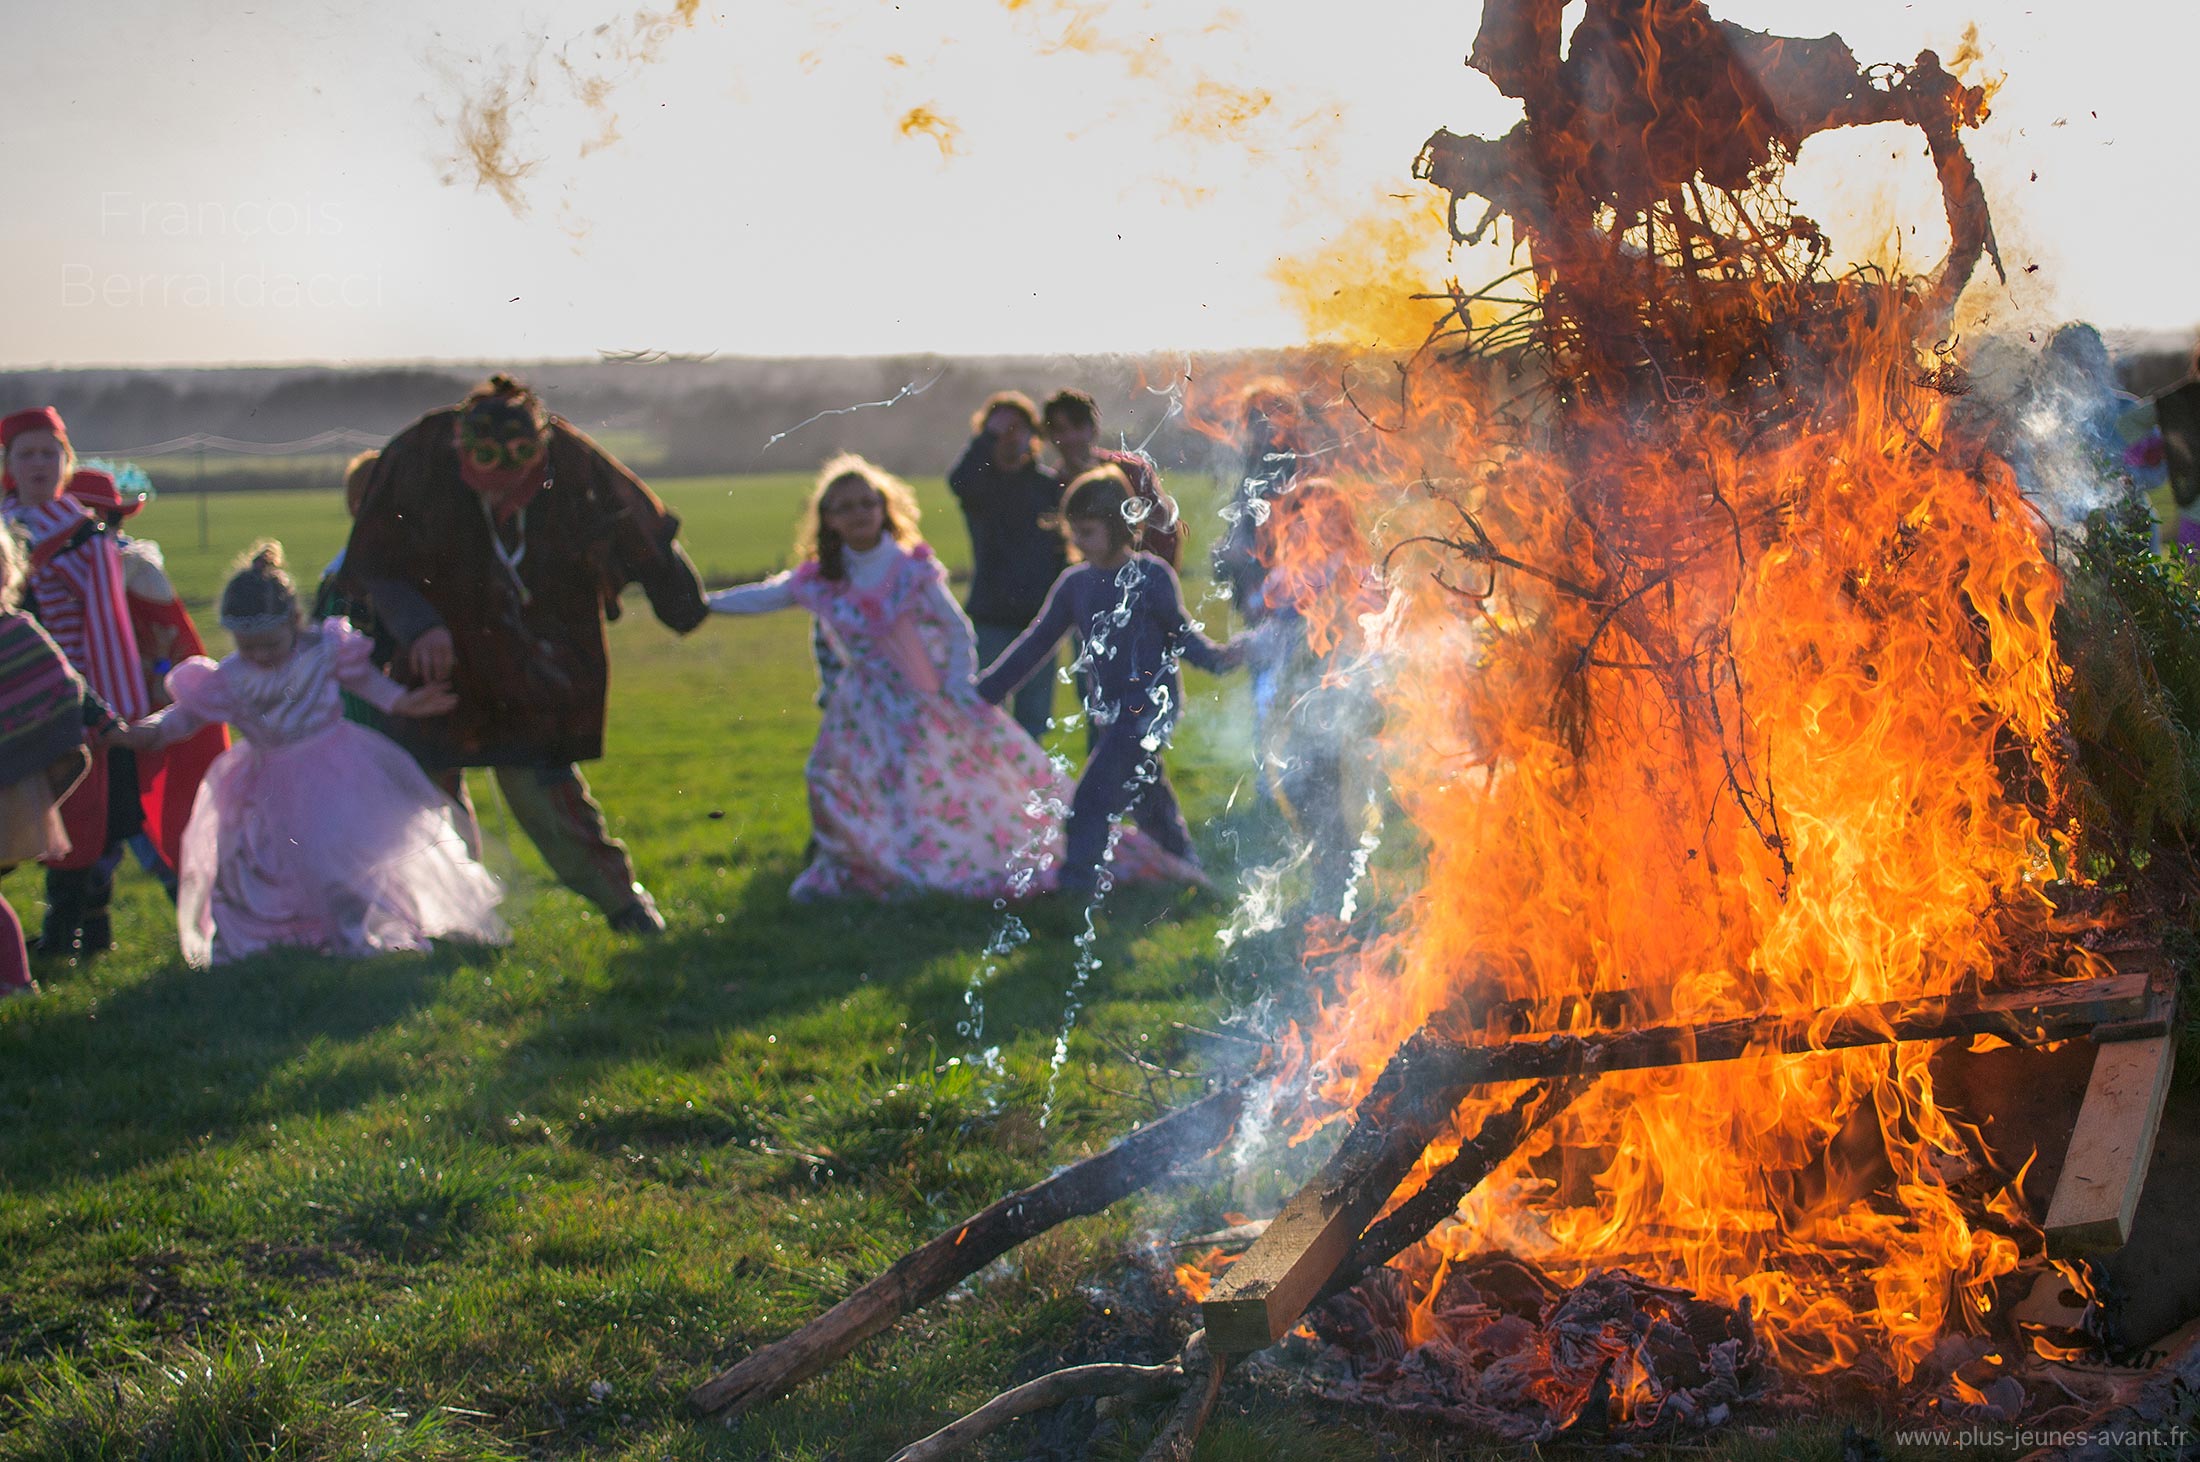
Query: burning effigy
(1761, 796)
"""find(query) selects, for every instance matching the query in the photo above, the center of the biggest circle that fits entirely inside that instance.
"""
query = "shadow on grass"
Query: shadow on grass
(674, 1000)
(90, 1090)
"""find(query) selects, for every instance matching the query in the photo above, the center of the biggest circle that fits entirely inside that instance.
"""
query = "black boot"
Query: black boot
(97, 934)
(68, 891)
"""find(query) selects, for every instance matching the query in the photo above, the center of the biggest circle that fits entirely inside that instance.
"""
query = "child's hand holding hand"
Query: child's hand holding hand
(138, 736)
(425, 700)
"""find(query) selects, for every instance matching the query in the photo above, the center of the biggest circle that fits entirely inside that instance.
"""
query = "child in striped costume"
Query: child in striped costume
(166, 637)
(44, 712)
(76, 589)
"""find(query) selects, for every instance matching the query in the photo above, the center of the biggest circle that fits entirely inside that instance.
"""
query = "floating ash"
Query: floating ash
(1499, 1347)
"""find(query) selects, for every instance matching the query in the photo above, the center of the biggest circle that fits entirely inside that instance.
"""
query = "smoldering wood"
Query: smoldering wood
(1203, 1372)
(1498, 1138)
(1261, 1296)
(2163, 1406)
(926, 1273)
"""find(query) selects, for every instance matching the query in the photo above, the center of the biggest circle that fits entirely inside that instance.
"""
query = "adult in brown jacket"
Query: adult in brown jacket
(493, 541)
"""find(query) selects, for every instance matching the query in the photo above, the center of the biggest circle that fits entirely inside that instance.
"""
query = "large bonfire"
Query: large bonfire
(1718, 651)
(1734, 688)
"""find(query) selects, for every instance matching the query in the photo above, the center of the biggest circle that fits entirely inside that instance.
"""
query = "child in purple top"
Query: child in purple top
(1129, 613)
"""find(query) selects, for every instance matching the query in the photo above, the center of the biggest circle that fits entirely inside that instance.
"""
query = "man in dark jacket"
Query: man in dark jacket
(1016, 552)
(493, 541)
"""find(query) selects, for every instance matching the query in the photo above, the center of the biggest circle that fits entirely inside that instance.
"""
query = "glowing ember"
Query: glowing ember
(1733, 685)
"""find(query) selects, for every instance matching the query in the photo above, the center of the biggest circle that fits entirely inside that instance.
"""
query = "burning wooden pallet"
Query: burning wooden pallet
(2128, 1015)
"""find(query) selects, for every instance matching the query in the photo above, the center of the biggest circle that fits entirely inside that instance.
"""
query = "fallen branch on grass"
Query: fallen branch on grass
(1500, 1134)
(1133, 1383)
(926, 1273)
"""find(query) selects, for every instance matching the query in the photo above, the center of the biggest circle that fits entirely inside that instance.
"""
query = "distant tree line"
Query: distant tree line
(680, 417)
(671, 417)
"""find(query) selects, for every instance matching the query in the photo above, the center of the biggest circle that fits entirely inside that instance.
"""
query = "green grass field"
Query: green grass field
(516, 1204)
(735, 528)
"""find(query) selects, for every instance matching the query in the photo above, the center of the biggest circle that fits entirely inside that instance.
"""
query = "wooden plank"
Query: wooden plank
(2111, 1146)
(1317, 1246)
(1260, 1297)
(2031, 1016)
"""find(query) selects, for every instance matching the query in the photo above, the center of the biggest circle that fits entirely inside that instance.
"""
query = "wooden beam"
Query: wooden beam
(1260, 1297)
(1317, 1246)
(2112, 1146)
(2031, 1016)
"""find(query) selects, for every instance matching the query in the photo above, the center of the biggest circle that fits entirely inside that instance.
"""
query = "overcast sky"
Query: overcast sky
(193, 182)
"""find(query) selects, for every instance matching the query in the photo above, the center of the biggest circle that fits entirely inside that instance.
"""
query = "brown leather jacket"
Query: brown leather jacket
(532, 667)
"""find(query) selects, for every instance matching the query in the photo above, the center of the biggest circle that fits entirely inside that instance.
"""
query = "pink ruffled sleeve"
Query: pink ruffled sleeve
(353, 654)
(200, 699)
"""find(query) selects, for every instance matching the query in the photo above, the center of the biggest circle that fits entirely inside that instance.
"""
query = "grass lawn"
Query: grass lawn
(736, 528)
(518, 1203)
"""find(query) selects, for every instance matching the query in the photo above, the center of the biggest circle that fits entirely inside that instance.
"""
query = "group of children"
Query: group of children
(919, 782)
(317, 831)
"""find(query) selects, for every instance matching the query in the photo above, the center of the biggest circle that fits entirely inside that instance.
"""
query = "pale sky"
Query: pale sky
(198, 183)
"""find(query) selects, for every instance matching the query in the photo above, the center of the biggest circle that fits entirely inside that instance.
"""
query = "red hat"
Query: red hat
(97, 491)
(38, 418)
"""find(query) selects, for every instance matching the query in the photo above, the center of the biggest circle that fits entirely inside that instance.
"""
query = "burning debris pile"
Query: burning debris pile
(1498, 1348)
(1738, 737)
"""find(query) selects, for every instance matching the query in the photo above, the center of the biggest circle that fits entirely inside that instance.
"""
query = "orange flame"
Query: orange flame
(1194, 1277)
(1736, 690)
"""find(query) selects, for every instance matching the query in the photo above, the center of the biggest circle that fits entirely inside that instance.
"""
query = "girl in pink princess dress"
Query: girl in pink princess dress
(313, 831)
(916, 786)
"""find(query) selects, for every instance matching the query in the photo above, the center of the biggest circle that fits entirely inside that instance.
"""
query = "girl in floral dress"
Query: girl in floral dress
(312, 832)
(916, 786)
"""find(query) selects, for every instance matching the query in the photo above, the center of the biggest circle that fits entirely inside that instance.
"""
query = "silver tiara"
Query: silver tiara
(256, 624)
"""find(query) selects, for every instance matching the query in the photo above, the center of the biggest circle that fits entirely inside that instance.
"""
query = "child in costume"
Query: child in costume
(312, 831)
(45, 711)
(166, 636)
(1129, 612)
(914, 786)
(76, 588)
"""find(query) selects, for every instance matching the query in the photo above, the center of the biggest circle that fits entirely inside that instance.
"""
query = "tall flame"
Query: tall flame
(1733, 685)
